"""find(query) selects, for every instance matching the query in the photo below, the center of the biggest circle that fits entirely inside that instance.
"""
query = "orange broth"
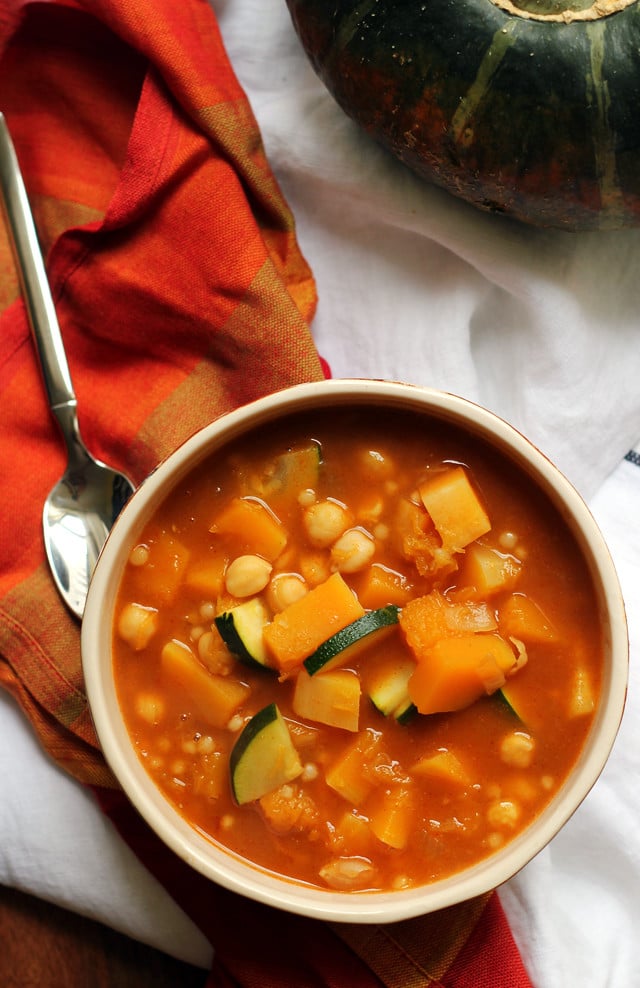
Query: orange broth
(443, 789)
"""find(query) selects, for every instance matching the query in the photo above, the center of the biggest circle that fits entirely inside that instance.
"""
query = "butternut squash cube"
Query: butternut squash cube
(211, 776)
(457, 671)
(253, 526)
(488, 571)
(391, 815)
(380, 586)
(454, 507)
(206, 576)
(352, 775)
(331, 698)
(161, 576)
(300, 628)
(353, 834)
(427, 619)
(521, 617)
(443, 767)
(215, 697)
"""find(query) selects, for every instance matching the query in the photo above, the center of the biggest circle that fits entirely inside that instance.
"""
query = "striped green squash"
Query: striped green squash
(523, 107)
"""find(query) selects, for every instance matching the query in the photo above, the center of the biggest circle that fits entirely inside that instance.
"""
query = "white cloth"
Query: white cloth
(539, 326)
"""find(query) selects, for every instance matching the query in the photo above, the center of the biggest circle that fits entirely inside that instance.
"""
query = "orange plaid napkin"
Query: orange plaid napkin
(181, 294)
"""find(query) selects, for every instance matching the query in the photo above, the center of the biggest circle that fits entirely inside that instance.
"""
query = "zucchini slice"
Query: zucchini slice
(241, 629)
(388, 690)
(510, 703)
(263, 757)
(345, 645)
(295, 470)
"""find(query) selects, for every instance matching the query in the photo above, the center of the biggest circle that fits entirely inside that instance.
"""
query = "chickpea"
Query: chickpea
(207, 611)
(382, 532)
(379, 465)
(508, 540)
(517, 749)
(352, 551)
(325, 521)
(503, 813)
(150, 707)
(306, 497)
(285, 589)
(348, 873)
(402, 882)
(137, 624)
(495, 841)
(247, 575)
(139, 555)
(214, 654)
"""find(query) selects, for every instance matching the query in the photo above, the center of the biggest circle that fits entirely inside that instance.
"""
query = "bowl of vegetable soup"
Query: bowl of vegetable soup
(356, 650)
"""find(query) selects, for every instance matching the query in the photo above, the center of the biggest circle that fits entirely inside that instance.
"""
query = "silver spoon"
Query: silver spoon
(83, 505)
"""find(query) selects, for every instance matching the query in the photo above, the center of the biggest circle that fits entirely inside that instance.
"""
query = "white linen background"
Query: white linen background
(541, 327)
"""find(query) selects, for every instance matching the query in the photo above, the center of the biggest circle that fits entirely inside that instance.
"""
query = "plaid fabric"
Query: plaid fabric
(181, 294)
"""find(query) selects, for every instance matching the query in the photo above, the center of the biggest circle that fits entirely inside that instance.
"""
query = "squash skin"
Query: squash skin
(534, 119)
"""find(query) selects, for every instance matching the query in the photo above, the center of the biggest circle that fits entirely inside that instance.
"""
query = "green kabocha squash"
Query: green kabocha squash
(524, 107)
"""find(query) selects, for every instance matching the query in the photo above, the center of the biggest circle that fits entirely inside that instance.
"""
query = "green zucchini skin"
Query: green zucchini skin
(534, 119)
(355, 634)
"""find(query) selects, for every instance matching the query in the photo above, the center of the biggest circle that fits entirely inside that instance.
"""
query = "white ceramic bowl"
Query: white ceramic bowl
(228, 869)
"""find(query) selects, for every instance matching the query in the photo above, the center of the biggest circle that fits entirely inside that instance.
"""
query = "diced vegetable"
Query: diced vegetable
(163, 573)
(386, 683)
(216, 697)
(457, 671)
(444, 767)
(263, 757)
(293, 471)
(242, 630)
(381, 586)
(583, 697)
(253, 526)
(331, 698)
(299, 629)
(353, 831)
(352, 774)
(488, 571)
(211, 777)
(289, 809)
(427, 619)
(391, 815)
(510, 702)
(205, 576)
(348, 643)
(523, 701)
(521, 617)
(454, 508)
(419, 542)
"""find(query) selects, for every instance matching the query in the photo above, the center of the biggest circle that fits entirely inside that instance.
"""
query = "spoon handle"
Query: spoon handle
(33, 278)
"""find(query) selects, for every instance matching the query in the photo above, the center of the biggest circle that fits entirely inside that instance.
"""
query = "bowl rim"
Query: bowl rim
(230, 870)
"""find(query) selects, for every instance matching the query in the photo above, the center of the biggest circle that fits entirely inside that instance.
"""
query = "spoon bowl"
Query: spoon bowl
(76, 519)
(83, 505)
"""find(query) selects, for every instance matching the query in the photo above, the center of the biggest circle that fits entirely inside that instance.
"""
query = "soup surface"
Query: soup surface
(357, 649)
